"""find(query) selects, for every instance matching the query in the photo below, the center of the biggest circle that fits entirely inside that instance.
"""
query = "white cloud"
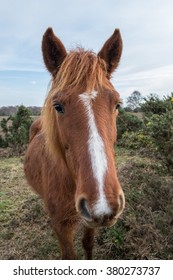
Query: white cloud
(157, 80)
(146, 28)
(33, 82)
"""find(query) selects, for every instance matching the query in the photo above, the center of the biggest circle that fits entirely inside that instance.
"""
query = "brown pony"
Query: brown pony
(70, 157)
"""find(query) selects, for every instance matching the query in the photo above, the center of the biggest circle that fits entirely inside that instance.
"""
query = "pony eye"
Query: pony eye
(118, 105)
(59, 108)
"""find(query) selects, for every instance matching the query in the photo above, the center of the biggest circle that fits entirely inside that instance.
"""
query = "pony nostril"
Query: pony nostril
(83, 209)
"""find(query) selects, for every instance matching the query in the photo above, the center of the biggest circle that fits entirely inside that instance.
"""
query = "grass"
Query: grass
(144, 231)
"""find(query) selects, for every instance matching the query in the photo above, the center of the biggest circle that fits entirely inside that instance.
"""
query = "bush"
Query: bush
(126, 122)
(136, 140)
(159, 125)
(15, 130)
(154, 105)
(154, 133)
(160, 128)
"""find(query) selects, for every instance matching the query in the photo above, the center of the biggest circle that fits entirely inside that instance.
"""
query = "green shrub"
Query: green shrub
(127, 122)
(136, 140)
(15, 130)
(154, 105)
(154, 133)
(160, 128)
(158, 119)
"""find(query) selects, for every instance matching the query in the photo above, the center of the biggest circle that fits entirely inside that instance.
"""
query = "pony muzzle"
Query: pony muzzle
(104, 219)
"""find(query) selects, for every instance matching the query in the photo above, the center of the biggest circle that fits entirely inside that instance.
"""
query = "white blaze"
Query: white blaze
(97, 154)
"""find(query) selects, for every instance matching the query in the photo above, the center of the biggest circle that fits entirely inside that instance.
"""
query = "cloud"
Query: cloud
(146, 28)
(157, 80)
(33, 82)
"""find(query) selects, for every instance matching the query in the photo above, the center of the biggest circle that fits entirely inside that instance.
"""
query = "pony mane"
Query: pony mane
(81, 71)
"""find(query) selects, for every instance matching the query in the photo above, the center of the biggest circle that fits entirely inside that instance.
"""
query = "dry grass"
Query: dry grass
(145, 231)
(25, 231)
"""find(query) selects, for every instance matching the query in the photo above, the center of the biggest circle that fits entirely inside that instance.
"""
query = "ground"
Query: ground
(144, 231)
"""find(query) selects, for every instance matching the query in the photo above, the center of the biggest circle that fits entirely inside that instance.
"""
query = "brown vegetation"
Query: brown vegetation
(144, 232)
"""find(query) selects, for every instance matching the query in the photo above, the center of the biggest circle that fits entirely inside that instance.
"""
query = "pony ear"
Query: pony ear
(111, 51)
(53, 51)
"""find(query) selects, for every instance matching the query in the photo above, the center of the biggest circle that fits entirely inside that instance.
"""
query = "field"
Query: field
(145, 230)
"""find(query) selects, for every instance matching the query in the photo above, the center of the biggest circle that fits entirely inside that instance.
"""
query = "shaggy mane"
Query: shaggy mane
(81, 71)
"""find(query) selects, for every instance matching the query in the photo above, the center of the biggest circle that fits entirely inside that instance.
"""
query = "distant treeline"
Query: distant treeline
(12, 110)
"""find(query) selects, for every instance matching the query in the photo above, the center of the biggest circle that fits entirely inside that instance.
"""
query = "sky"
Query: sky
(146, 28)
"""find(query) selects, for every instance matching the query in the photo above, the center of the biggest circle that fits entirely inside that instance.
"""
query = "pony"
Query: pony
(70, 159)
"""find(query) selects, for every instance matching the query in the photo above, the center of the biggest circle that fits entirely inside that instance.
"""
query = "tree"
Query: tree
(15, 129)
(134, 100)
